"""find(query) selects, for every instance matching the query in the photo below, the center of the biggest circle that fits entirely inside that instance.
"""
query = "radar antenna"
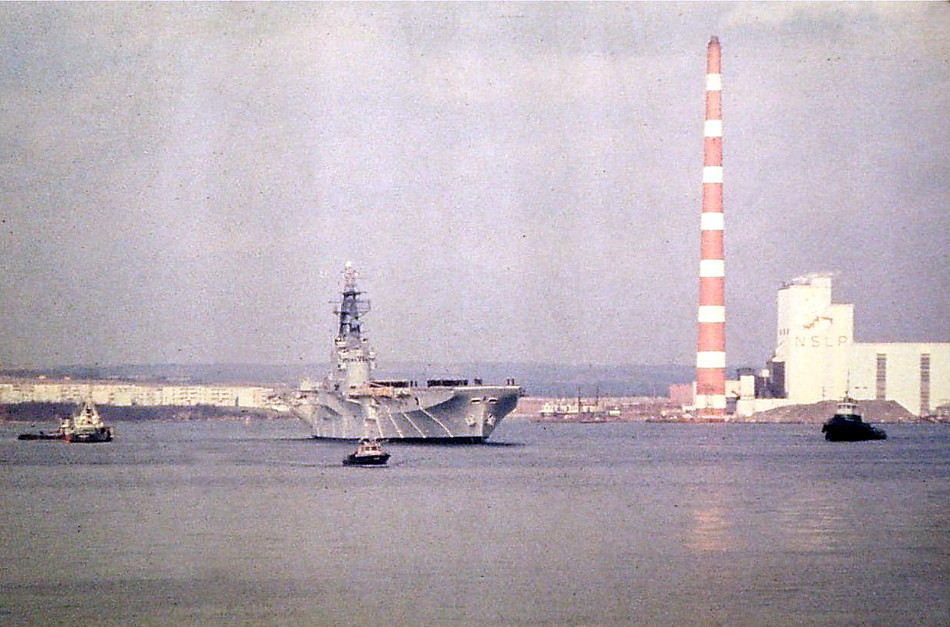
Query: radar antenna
(352, 307)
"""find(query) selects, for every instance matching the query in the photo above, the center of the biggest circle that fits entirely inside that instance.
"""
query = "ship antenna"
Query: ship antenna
(349, 277)
(352, 306)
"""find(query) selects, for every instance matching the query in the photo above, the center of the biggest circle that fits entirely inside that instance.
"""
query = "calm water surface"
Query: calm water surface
(226, 523)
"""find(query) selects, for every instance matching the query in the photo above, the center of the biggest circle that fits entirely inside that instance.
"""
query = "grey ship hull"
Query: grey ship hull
(435, 414)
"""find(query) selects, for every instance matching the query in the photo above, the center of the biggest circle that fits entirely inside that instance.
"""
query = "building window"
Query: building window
(925, 384)
(881, 378)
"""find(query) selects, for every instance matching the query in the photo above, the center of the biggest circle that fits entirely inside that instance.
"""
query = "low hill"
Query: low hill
(817, 413)
(537, 379)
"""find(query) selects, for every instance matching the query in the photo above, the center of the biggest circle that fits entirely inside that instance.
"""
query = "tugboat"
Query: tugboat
(368, 453)
(86, 426)
(847, 426)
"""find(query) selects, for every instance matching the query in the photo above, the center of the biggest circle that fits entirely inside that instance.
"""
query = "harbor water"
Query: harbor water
(231, 523)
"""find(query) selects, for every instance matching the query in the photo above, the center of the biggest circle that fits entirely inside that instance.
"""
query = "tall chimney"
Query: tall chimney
(710, 400)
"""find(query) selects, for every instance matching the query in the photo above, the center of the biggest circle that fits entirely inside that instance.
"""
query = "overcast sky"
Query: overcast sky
(515, 182)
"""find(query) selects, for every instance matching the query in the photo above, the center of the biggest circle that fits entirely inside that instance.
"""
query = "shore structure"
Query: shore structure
(604, 409)
(710, 399)
(577, 410)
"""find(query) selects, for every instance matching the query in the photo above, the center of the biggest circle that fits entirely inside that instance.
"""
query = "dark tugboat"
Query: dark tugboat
(847, 426)
(86, 426)
(367, 453)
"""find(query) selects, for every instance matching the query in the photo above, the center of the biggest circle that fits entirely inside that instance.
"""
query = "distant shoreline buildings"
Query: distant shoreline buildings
(127, 394)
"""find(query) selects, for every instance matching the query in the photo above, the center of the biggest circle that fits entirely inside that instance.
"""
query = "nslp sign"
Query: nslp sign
(820, 341)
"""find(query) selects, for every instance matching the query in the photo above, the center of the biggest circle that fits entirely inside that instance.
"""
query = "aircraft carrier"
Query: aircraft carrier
(349, 405)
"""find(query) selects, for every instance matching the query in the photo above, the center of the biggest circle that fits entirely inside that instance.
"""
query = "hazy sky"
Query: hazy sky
(516, 182)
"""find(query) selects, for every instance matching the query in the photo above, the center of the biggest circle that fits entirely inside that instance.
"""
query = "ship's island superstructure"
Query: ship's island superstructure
(348, 404)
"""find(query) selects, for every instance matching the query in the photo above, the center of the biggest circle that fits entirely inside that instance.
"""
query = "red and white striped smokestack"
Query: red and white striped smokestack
(710, 398)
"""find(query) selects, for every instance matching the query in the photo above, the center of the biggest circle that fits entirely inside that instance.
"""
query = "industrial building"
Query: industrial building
(817, 359)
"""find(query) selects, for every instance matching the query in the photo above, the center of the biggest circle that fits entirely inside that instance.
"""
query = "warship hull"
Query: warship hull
(456, 414)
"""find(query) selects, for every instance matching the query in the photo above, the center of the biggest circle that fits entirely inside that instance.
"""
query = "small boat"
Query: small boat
(847, 426)
(42, 435)
(86, 426)
(369, 452)
(58, 434)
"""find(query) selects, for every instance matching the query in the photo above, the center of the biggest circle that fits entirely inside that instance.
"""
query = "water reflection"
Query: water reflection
(810, 522)
(800, 521)
(712, 516)
(711, 530)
